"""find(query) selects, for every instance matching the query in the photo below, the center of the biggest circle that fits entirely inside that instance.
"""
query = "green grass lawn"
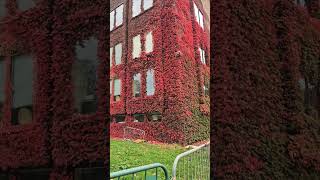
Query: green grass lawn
(128, 154)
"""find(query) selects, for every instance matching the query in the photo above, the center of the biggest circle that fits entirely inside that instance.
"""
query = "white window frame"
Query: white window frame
(116, 93)
(149, 42)
(202, 55)
(112, 18)
(111, 85)
(111, 56)
(119, 15)
(136, 77)
(150, 92)
(136, 48)
(118, 54)
(115, 21)
(139, 6)
(198, 15)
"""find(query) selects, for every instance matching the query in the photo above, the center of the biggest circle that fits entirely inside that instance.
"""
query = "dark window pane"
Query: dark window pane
(25, 4)
(119, 118)
(91, 174)
(85, 76)
(22, 89)
(3, 10)
(138, 118)
(154, 116)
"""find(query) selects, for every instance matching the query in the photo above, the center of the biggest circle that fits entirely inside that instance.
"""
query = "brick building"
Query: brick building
(53, 89)
(266, 94)
(160, 65)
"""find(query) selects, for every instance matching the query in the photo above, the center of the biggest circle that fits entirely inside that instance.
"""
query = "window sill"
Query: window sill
(115, 28)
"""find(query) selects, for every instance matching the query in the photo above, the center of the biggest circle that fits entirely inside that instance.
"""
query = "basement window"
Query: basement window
(198, 15)
(85, 76)
(138, 117)
(3, 9)
(116, 17)
(140, 5)
(24, 5)
(150, 82)
(155, 116)
(90, 173)
(137, 85)
(117, 90)
(118, 53)
(22, 72)
(2, 85)
(136, 47)
(149, 43)
(119, 118)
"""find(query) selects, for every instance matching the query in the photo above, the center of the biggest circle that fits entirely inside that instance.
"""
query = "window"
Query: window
(24, 5)
(202, 56)
(137, 6)
(150, 82)
(119, 15)
(137, 85)
(111, 56)
(147, 4)
(310, 91)
(301, 2)
(136, 41)
(116, 89)
(85, 76)
(2, 85)
(3, 8)
(110, 86)
(206, 90)
(198, 15)
(119, 118)
(138, 118)
(155, 116)
(112, 16)
(149, 43)
(116, 17)
(136, 47)
(22, 72)
(118, 53)
(90, 173)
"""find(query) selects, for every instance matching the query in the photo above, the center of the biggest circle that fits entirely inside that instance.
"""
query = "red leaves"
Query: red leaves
(178, 73)
(255, 92)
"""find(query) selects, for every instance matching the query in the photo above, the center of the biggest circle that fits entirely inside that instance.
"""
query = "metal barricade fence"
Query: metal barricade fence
(131, 133)
(193, 164)
(149, 172)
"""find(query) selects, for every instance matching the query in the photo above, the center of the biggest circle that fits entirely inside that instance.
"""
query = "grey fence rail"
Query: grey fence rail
(149, 172)
(193, 164)
(190, 165)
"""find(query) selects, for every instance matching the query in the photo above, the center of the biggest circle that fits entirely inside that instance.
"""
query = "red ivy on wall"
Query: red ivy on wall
(258, 124)
(57, 137)
(179, 74)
